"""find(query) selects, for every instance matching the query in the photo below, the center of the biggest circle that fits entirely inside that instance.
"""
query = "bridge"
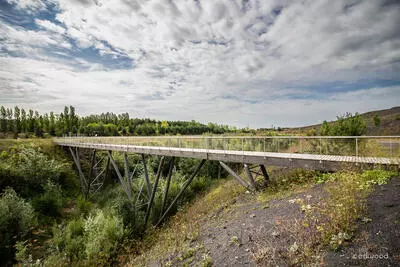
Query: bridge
(325, 153)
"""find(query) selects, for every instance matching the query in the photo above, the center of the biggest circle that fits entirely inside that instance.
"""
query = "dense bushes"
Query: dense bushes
(95, 238)
(28, 169)
(50, 202)
(86, 231)
(17, 218)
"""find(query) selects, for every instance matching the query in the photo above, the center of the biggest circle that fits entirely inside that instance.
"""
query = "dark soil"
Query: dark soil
(377, 238)
(251, 233)
(240, 234)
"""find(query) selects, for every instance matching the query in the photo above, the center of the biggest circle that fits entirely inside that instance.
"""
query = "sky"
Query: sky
(243, 63)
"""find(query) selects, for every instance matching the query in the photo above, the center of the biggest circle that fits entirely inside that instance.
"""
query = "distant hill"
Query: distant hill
(389, 123)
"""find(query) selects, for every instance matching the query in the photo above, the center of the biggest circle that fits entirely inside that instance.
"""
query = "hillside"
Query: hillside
(389, 123)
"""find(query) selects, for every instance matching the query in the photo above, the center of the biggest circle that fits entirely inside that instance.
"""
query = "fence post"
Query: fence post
(301, 147)
(264, 144)
(357, 148)
(391, 149)
(320, 145)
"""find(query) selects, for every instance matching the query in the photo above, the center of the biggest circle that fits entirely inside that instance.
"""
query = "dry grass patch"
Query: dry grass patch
(326, 223)
(173, 241)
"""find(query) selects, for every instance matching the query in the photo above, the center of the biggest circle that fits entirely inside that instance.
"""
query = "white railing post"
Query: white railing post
(320, 145)
(357, 148)
(391, 149)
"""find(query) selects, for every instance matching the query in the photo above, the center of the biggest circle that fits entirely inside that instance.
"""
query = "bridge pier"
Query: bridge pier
(121, 179)
(237, 177)
(181, 191)
(171, 166)
(246, 168)
(93, 177)
(265, 174)
(153, 192)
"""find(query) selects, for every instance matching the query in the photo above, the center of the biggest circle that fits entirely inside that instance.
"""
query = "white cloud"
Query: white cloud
(50, 26)
(29, 5)
(247, 61)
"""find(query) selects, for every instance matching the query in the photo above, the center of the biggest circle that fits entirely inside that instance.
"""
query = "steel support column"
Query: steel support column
(181, 191)
(237, 177)
(93, 163)
(146, 176)
(127, 176)
(121, 179)
(265, 174)
(153, 192)
(78, 166)
(246, 168)
(171, 167)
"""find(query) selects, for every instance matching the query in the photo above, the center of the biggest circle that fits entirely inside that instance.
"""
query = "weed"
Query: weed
(235, 241)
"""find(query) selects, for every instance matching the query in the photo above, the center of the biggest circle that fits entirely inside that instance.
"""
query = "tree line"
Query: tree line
(21, 122)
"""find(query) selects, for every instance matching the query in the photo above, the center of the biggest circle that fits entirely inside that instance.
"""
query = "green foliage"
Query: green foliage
(105, 124)
(17, 217)
(346, 125)
(94, 239)
(377, 121)
(132, 218)
(28, 169)
(50, 202)
(70, 239)
(375, 177)
(102, 235)
(83, 205)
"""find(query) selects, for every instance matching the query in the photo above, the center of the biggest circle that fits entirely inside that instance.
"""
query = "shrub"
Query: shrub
(84, 206)
(346, 125)
(132, 217)
(102, 235)
(17, 217)
(50, 202)
(377, 121)
(30, 170)
(70, 239)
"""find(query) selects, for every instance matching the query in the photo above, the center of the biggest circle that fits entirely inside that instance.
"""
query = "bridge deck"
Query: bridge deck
(308, 161)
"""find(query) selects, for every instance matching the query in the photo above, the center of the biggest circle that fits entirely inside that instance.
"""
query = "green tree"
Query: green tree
(52, 124)
(10, 122)
(17, 120)
(377, 121)
(24, 127)
(66, 120)
(3, 119)
(31, 121)
(325, 129)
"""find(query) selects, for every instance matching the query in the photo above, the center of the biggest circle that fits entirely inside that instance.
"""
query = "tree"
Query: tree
(346, 125)
(3, 121)
(24, 127)
(66, 120)
(17, 120)
(325, 128)
(377, 121)
(52, 124)
(73, 120)
(31, 121)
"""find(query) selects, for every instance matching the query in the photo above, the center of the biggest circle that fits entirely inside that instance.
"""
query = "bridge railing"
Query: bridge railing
(362, 146)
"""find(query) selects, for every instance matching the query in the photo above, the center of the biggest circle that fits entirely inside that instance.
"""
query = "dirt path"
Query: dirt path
(379, 237)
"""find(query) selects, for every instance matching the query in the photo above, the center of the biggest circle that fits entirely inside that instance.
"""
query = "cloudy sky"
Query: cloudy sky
(250, 63)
